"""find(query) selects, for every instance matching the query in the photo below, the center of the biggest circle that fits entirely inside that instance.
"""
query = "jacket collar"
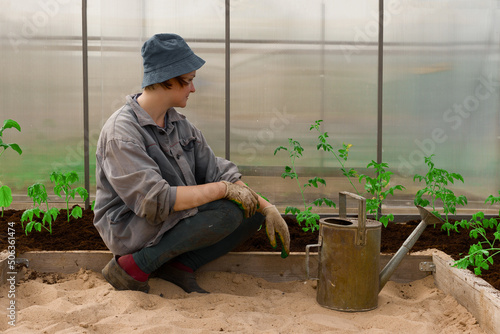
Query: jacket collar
(143, 117)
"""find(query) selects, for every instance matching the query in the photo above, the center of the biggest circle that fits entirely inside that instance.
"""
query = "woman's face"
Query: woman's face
(179, 93)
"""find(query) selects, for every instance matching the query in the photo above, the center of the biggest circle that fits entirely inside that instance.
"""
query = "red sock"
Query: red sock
(181, 266)
(128, 264)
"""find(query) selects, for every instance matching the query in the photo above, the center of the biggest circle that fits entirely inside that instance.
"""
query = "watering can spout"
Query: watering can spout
(427, 218)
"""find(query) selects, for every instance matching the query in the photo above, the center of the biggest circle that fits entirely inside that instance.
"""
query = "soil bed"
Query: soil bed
(81, 235)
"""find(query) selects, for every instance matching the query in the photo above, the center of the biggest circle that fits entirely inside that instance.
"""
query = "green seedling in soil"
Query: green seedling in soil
(436, 182)
(341, 156)
(481, 254)
(38, 193)
(379, 188)
(63, 182)
(5, 191)
(295, 150)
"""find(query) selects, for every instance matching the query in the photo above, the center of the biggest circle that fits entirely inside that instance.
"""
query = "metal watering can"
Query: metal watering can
(349, 258)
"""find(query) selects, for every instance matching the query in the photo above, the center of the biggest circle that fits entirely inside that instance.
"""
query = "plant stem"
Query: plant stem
(292, 159)
(488, 249)
(67, 204)
(343, 170)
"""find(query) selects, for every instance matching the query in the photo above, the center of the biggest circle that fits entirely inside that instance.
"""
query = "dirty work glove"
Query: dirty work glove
(246, 199)
(276, 224)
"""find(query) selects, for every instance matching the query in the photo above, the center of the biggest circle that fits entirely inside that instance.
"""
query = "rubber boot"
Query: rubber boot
(120, 280)
(181, 278)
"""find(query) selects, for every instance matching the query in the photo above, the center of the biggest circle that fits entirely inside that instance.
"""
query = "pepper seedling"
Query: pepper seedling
(63, 182)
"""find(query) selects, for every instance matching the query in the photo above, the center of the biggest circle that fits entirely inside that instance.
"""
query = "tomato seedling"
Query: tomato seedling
(63, 182)
(481, 254)
(436, 182)
(5, 191)
(38, 193)
(341, 156)
(295, 150)
(375, 186)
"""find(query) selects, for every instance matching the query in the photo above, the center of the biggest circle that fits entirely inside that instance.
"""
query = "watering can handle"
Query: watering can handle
(308, 247)
(361, 235)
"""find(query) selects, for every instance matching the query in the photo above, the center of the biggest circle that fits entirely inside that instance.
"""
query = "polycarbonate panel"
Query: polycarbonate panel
(114, 62)
(41, 88)
(202, 25)
(292, 62)
(441, 94)
(291, 65)
(117, 63)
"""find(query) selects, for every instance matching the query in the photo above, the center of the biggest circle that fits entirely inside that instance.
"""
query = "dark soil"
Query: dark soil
(81, 235)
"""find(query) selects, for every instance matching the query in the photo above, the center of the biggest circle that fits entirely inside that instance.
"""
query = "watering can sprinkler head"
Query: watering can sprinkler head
(428, 216)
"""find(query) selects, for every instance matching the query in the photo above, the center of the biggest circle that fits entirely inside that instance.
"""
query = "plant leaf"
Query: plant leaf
(76, 212)
(5, 196)
(9, 123)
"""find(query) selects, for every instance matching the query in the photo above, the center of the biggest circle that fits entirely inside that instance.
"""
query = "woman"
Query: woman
(165, 204)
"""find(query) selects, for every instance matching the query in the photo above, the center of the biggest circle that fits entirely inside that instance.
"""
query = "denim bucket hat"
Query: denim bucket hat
(166, 56)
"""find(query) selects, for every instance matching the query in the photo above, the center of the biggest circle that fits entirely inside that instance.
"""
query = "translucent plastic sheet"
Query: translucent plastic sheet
(291, 63)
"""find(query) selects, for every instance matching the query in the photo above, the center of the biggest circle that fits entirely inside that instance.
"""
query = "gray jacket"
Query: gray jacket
(139, 166)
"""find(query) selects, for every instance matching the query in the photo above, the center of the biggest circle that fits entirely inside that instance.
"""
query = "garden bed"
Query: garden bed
(81, 235)
(76, 246)
(83, 302)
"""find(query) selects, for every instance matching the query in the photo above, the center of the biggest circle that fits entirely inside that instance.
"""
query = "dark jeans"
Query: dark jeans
(215, 230)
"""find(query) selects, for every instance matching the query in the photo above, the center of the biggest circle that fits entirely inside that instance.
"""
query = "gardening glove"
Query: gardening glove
(276, 224)
(246, 199)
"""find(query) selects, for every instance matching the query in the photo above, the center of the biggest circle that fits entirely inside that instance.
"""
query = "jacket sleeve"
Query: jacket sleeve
(210, 168)
(136, 179)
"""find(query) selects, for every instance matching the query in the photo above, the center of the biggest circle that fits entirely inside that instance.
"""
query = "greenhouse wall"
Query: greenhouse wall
(426, 83)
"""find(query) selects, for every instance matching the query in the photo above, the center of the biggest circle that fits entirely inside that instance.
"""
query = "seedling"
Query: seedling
(5, 197)
(5, 191)
(481, 254)
(375, 186)
(295, 150)
(436, 181)
(38, 193)
(63, 182)
(341, 156)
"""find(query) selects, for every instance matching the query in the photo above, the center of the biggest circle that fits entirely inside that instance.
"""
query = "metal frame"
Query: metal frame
(228, 41)
(85, 102)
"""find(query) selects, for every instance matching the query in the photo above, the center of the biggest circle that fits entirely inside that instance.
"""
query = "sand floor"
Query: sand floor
(84, 303)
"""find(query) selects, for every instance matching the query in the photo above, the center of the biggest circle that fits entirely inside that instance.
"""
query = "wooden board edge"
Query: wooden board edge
(469, 290)
(267, 265)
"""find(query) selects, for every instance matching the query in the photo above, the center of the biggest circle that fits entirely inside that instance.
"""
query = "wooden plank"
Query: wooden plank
(269, 266)
(6, 272)
(273, 268)
(472, 292)
(409, 268)
(3, 267)
(67, 262)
